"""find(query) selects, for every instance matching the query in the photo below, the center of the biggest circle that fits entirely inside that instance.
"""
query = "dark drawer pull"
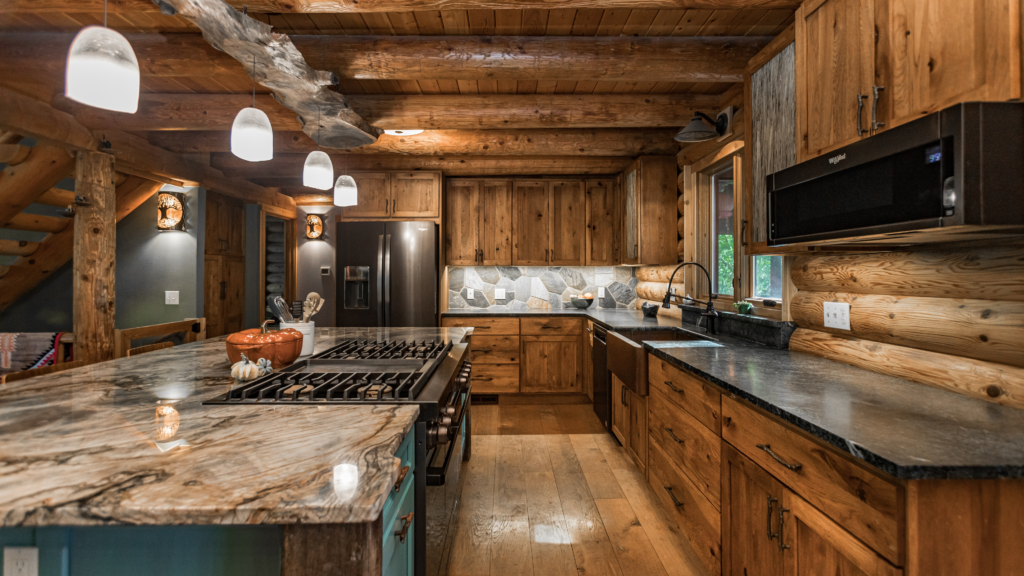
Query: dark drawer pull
(767, 448)
(771, 502)
(782, 527)
(405, 529)
(672, 434)
(673, 387)
(673, 497)
(401, 478)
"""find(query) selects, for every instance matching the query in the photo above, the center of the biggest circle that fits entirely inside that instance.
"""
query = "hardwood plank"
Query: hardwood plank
(600, 479)
(472, 540)
(629, 540)
(550, 545)
(579, 419)
(485, 419)
(549, 421)
(510, 542)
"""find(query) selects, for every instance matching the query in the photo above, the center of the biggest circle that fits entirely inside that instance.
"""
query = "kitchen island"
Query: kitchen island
(129, 443)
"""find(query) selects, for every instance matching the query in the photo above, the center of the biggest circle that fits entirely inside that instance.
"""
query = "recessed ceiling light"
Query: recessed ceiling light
(403, 132)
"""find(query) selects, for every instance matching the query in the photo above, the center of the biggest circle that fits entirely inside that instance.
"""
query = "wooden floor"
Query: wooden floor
(549, 492)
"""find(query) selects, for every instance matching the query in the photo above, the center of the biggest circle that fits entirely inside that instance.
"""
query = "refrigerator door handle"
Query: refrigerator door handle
(380, 280)
(387, 281)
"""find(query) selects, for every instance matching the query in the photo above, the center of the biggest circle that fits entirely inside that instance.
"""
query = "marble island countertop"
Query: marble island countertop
(129, 442)
(909, 430)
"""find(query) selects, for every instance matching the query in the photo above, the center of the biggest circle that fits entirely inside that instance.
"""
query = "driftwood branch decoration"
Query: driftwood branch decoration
(281, 68)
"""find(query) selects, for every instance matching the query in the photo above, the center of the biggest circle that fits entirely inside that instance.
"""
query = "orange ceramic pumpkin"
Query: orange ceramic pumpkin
(281, 347)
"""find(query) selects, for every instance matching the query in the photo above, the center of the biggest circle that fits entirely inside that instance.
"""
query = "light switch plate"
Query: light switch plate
(325, 270)
(171, 297)
(469, 293)
(21, 561)
(600, 291)
(499, 293)
(837, 315)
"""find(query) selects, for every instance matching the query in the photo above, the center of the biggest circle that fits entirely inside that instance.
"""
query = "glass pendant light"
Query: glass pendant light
(345, 193)
(319, 170)
(252, 137)
(102, 70)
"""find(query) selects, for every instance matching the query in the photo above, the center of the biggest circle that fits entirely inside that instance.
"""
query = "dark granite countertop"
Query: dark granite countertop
(909, 430)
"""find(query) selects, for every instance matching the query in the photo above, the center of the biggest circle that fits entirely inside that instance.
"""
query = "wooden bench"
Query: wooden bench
(194, 330)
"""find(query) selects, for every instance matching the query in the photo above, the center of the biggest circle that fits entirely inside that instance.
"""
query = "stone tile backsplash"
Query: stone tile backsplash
(539, 287)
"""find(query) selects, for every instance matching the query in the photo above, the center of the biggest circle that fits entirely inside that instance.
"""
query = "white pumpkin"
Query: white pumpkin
(245, 370)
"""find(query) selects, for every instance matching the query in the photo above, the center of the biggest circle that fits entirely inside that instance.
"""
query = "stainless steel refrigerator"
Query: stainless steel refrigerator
(387, 273)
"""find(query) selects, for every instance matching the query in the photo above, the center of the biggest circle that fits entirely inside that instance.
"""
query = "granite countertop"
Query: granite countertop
(129, 442)
(906, 429)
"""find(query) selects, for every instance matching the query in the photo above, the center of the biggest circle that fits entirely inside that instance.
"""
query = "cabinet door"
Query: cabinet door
(602, 223)
(415, 195)
(550, 364)
(496, 222)
(631, 223)
(834, 63)
(234, 289)
(374, 196)
(620, 410)
(751, 501)
(945, 52)
(588, 360)
(214, 286)
(568, 223)
(817, 545)
(531, 223)
(638, 430)
(461, 225)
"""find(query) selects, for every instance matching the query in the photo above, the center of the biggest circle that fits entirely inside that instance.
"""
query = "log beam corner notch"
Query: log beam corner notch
(274, 61)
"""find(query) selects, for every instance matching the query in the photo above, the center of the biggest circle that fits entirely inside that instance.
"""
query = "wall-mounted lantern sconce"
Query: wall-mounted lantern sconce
(170, 211)
(314, 227)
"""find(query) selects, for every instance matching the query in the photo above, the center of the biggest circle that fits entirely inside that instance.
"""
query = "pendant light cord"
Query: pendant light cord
(104, 13)
(318, 128)
(253, 80)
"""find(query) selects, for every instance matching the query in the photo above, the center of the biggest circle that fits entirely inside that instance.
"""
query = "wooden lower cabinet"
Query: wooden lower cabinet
(495, 378)
(750, 507)
(637, 446)
(551, 364)
(620, 410)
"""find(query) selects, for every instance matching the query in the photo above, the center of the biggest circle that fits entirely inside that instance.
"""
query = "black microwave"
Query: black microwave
(956, 174)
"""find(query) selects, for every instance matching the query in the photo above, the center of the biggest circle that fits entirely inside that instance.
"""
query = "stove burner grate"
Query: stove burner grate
(360, 349)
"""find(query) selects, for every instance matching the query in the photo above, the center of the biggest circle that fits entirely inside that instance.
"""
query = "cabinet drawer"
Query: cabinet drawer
(860, 500)
(699, 398)
(484, 326)
(688, 443)
(406, 454)
(552, 326)
(398, 557)
(495, 349)
(698, 518)
(495, 378)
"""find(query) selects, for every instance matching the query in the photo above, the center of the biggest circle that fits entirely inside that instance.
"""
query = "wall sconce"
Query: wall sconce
(170, 211)
(314, 227)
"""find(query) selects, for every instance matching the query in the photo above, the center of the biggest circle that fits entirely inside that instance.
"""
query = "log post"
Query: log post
(95, 229)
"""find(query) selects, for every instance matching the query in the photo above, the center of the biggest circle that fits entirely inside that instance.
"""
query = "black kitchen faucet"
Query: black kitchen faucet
(709, 312)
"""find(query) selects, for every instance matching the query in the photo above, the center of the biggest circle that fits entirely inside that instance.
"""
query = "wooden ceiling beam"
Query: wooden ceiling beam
(407, 112)
(602, 58)
(288, 167)
(346, 6)
(20, 185)
(273, 61)
(554, 142)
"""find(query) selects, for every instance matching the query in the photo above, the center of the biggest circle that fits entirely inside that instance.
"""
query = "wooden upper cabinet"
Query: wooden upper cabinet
(415, 194)
(374, 196)
(603, 219)
(934, 54)
(496, 223)
(462, 223)
(531, 223)
(751, 500)
(649, 232)
(835, 57)
(568, 223)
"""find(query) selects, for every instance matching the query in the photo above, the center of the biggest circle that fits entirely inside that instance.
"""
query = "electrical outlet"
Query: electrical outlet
(837, 315)
(171, 297)
(325, 270)
(21, 561)
(600, 291)
(469, 293)
(499, 293)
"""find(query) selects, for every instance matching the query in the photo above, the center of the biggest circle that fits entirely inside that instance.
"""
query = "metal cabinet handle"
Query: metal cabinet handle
(875, 124)
(622, 395)
(673, 497)
(547, 258)
(771, 502)
(768, 448)
(673, 387)
(386, 207)
(674, 437)
(860, 109)
(782, 527)
(405, 529)
(223, 290)
(401, 478)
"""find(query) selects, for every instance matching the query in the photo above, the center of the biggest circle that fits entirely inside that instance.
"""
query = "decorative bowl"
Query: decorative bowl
(281, 347)
(581, 303)
(649, 310)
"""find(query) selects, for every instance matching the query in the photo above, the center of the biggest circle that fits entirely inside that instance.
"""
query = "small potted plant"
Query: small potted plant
(743, 307)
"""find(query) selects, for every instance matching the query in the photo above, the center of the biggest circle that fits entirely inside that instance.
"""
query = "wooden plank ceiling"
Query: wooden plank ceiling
(634, 107)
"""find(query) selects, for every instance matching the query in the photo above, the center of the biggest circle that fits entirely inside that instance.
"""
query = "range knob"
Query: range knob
(448, 410)
(446, 421)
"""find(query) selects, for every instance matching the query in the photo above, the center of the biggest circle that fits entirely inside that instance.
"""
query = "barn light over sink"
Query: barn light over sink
(252, 137)
(102, 70)
(345, 192)
(318, 172)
